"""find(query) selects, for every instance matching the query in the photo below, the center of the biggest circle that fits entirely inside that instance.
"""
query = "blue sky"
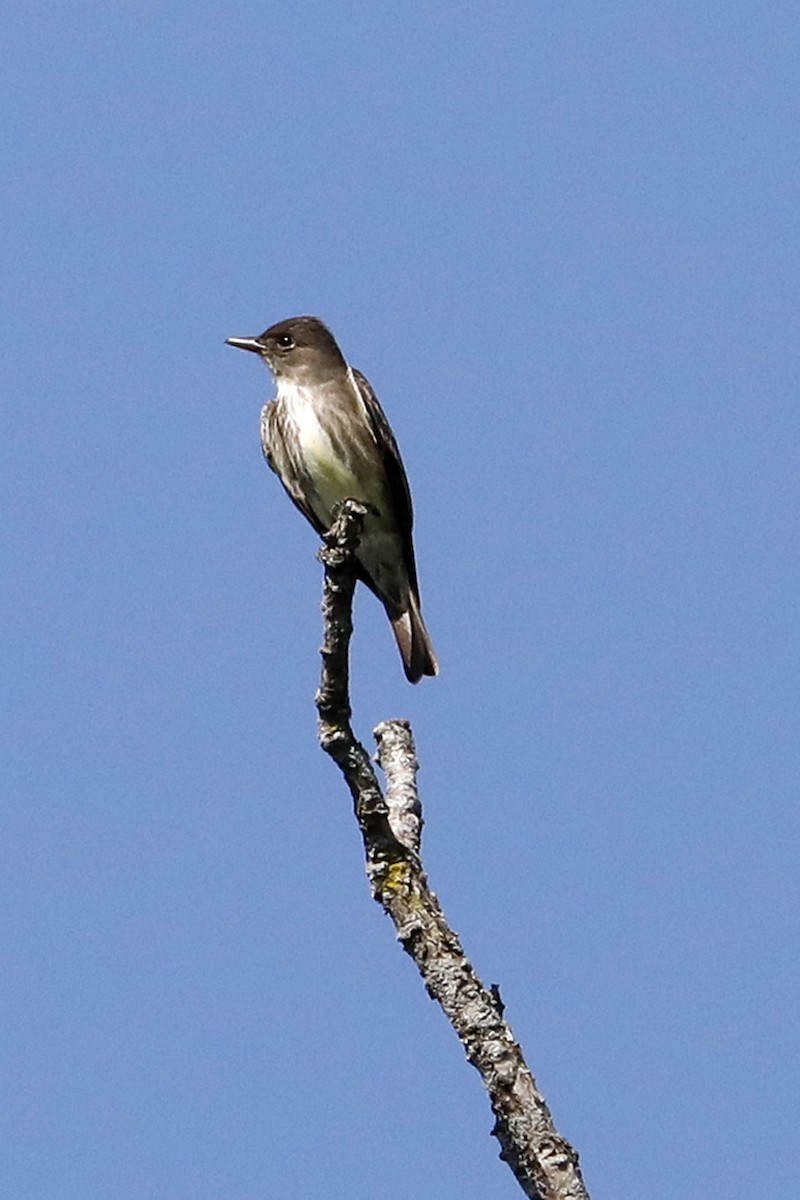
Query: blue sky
(562, 242)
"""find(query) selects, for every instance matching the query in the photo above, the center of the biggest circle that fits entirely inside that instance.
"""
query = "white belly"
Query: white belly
(333, 480)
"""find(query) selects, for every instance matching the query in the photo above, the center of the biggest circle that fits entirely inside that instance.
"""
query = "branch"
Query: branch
(544, 1164)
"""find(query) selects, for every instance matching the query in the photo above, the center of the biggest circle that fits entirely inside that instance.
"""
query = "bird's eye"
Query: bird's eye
(286, 341)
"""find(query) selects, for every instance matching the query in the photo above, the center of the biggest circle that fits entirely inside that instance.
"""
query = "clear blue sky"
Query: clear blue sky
(562, 242)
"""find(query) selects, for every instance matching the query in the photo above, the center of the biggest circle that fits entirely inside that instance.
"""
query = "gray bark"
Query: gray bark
(543, 1162)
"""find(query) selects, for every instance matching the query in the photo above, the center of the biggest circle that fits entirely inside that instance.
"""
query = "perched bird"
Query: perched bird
(327, 439)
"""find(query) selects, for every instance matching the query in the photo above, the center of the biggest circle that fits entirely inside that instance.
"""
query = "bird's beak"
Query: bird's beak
(250, 343)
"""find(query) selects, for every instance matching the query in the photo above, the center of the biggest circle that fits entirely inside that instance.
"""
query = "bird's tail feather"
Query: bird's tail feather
(413, 642)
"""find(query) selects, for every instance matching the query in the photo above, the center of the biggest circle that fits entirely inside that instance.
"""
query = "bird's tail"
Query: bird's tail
(413, 641)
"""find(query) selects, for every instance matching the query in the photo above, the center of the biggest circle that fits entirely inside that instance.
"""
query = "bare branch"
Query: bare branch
(544, 1164)
(398, 761)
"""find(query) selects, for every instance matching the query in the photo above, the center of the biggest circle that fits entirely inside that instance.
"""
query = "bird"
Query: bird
(327, 439)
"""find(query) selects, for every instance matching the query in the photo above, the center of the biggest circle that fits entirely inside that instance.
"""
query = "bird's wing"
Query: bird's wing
(395, 472)
(277, 450)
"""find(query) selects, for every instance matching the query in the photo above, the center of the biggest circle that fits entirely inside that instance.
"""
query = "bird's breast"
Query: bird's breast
(322, 422)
